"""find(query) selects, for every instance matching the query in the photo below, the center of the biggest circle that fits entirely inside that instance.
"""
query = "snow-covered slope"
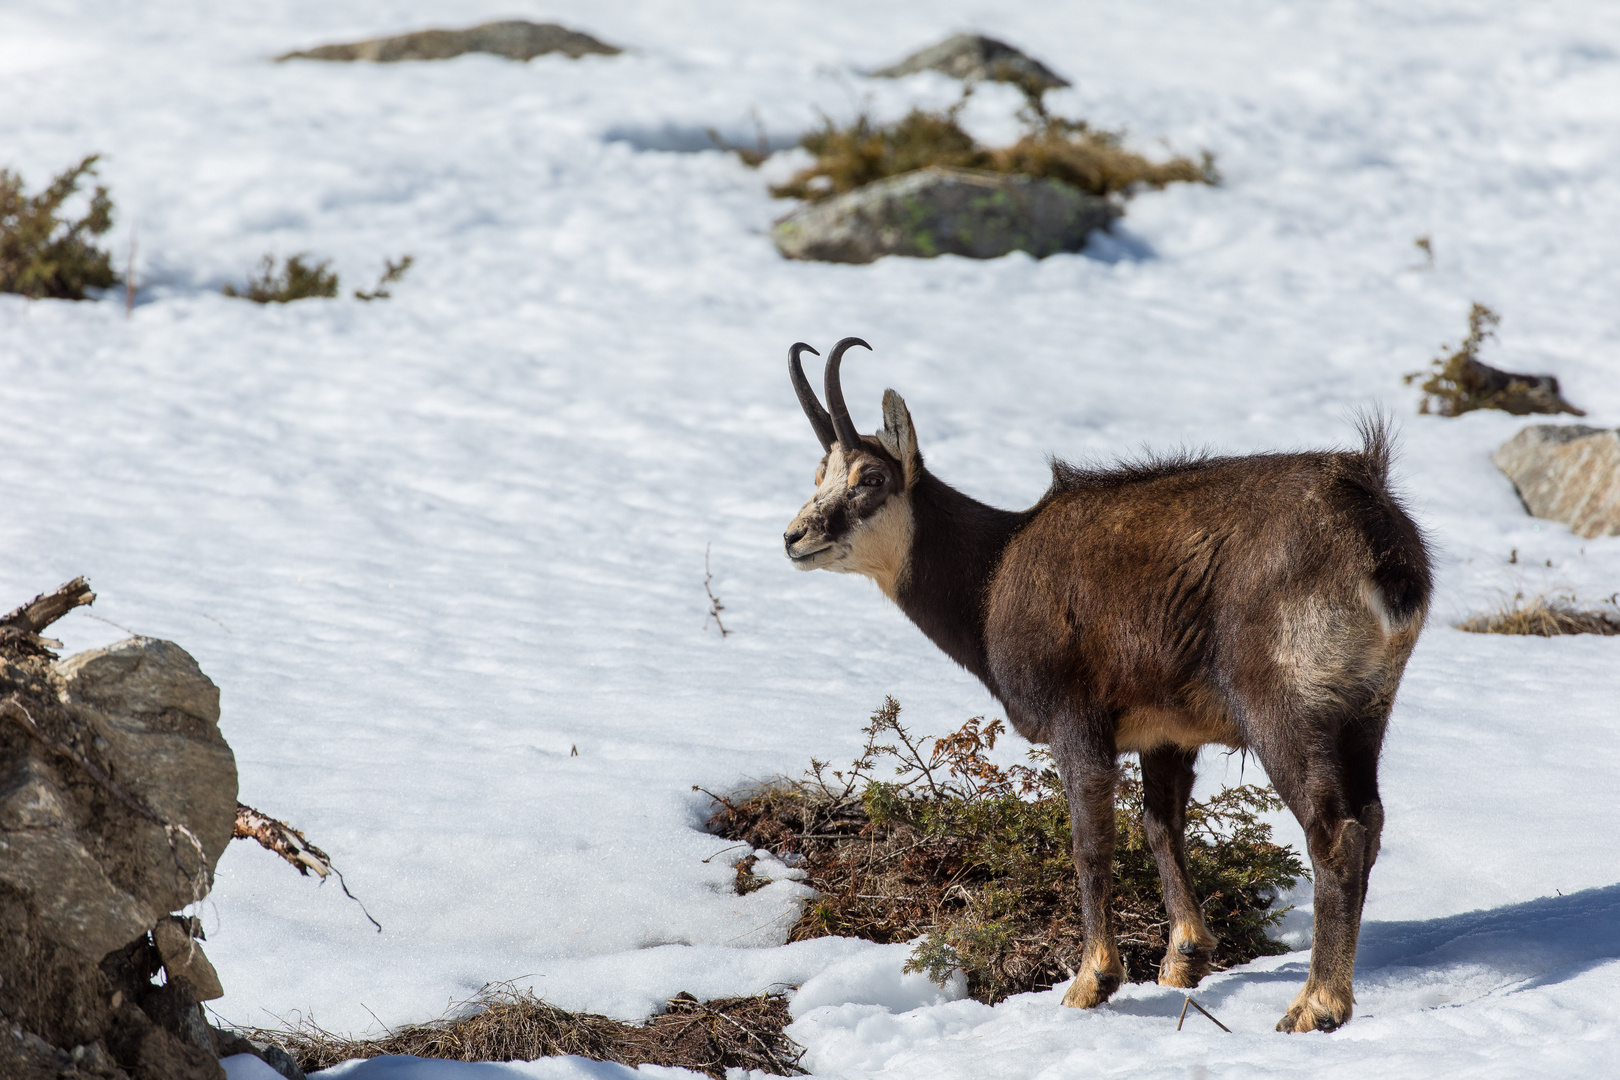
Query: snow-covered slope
(429, 546)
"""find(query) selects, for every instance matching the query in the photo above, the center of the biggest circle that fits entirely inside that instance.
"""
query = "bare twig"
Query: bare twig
(715, 606)
(286, 841)
(20, 628)
(1201, 1009)
(281, 838)
(129, 276)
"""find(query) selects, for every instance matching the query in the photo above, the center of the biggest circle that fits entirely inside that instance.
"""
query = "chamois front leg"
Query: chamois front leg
(1167, 780)
(1089, 776)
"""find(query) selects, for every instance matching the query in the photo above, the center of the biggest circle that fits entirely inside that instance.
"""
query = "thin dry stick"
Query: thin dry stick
(715, 606)
(1200, 1008)
(129, 276)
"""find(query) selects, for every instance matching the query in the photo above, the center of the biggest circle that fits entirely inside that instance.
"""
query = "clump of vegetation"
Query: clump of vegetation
(43, 254)
(1544, 616)
(1092, 159)
(504, 1023)
(299, 280)
(296, 280)
(975, 859)
(1460, 382)
(393, 273)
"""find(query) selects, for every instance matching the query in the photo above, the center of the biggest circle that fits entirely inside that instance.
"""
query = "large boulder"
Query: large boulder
(117, 798)
(1568, 473)
(515, 39)
(976, 58)
(939, 211)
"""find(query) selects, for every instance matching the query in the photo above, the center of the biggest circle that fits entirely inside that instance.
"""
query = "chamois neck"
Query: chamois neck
(956, 547)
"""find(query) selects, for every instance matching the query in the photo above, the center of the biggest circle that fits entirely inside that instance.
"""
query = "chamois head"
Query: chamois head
(859, 521)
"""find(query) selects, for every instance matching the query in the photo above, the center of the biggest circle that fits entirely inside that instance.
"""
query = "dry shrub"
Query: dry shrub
(1543, 616)
(1460, 382)
(43, 254)
(296, 280)
(975, 860)
(504, 1023)
(1093, 160)
(394, 271)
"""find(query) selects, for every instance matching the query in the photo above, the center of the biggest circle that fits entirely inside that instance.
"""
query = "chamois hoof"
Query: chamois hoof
(1092, 987)
(1316, 1010)
(1184, 966)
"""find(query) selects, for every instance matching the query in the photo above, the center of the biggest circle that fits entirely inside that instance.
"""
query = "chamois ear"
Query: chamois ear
(899, 437)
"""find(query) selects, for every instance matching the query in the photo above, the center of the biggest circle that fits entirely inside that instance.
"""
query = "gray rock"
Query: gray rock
(515, 39)
(117, 798)
(976, 58)
(1568, 473)
(938, 211)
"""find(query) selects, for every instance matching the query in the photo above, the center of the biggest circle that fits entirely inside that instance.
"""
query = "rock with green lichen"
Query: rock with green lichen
(941, 211)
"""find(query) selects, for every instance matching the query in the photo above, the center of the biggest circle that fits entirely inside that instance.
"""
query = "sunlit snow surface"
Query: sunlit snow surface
(429, 546)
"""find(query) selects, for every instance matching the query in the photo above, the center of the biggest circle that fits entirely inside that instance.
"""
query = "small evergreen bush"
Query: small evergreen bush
(296, 280)
(42, 254)
(975, 860)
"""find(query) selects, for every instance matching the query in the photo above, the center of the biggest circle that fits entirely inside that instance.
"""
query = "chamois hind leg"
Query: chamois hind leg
(1167, 780)
(1090, 773)
(1332, 788)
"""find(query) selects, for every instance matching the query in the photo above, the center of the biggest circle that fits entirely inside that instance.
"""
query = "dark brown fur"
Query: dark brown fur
(1267, 603)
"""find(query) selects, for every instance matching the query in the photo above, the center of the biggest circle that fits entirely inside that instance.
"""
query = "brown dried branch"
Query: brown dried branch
(20, 629)
(286, 841)
(281, 838)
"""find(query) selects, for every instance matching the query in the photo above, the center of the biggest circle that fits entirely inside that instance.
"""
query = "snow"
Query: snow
(428, 547)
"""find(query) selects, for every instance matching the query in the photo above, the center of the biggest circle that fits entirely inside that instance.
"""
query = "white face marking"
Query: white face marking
(878, 546)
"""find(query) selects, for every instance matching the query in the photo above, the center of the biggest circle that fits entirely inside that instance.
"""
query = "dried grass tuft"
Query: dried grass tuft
(1543, 616)
(1091, 159)
(975, 860)
(505, 1023)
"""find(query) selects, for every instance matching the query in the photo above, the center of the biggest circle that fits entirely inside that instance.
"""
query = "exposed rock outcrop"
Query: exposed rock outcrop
(515, 39)
(117, 797)
(939, 211)
(1568, 473)
(976, 58)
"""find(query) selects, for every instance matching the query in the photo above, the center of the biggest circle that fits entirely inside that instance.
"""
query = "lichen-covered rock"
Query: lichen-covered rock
(976, 58)
(939, 211)
(515, 39)
(1568, 473)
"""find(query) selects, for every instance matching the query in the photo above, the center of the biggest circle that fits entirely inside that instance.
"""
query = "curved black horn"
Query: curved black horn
(807, 397)
(842, 425)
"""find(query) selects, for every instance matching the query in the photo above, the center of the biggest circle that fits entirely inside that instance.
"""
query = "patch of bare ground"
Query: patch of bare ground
(505, 1023)
(974, 859)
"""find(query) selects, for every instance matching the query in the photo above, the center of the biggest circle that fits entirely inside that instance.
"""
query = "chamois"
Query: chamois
(1267, 603)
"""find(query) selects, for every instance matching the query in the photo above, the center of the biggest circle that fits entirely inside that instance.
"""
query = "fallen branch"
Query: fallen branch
(286, 841)
(20, 629)
(281, 838)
